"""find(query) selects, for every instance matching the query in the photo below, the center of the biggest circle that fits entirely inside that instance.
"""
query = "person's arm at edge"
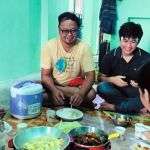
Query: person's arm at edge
(116, 80)
(87, 83)
(103, 77)
(47, 79)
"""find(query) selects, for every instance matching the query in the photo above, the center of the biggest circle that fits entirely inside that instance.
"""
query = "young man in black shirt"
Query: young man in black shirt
(119, 72)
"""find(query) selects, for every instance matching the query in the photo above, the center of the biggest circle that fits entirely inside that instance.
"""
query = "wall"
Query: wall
(24, 31)
(26, 25)
(90, 31)
(20, 38)
(55, 8)
(133, 8)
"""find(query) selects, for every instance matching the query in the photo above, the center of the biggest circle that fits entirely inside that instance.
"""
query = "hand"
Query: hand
(76, 99)
(58, 97)
(118, 81)
(133, 83)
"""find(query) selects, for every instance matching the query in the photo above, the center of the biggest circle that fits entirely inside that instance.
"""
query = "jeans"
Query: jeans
(125, 99)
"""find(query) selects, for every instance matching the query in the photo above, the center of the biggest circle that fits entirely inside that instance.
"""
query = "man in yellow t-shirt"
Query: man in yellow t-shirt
(67, 67)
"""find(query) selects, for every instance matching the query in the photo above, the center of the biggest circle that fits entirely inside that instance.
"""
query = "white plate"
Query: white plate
(69, 114)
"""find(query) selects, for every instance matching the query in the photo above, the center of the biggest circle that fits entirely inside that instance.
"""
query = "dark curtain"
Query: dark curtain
(107, 17)
(104, 49)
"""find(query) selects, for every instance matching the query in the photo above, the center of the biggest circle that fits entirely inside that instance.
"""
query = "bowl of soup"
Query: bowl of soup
(90, 138)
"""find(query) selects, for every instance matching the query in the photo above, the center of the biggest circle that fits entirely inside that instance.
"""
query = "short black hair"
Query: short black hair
(131, 30)
(144, 76)
(69, 16)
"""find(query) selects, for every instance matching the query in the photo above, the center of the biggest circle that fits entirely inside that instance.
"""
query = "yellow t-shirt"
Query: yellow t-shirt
(66, 65)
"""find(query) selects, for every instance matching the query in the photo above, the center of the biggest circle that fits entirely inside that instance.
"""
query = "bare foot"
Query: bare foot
(107, 106)
(144, 112)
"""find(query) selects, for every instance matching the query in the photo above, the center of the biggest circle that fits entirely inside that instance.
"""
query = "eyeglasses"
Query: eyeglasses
(67, 31)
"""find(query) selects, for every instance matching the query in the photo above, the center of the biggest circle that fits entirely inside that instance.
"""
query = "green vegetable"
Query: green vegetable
(67, 126)
(44, 143)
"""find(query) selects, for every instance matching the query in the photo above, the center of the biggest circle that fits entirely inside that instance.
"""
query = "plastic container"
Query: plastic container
(26, 99)
(51, 117)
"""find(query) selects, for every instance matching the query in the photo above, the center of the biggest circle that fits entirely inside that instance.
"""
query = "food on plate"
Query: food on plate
(69, 114)
(73, 114)
(44, 143)
(88, 139)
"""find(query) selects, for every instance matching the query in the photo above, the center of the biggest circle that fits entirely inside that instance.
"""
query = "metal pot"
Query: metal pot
(88, 129)
(29, 134)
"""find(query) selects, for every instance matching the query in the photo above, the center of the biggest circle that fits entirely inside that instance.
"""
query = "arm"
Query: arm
(47, 79)
(116, 80)
(87, 83)
(108, 63)
(78, 97)
(49, 83)
(87, 66)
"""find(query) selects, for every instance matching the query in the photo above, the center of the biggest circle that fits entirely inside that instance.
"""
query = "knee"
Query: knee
(91, 95)
(103, 87)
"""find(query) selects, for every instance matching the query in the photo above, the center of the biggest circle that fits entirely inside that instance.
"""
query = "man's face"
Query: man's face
(128, 45)
(68, 31)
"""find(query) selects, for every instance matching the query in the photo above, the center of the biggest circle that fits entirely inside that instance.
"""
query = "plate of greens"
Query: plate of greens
(69, 114)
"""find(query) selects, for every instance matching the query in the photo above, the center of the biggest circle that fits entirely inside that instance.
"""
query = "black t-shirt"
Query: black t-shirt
(113, 63)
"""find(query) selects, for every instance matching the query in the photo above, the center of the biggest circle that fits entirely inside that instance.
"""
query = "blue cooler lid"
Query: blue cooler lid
(26, 88)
